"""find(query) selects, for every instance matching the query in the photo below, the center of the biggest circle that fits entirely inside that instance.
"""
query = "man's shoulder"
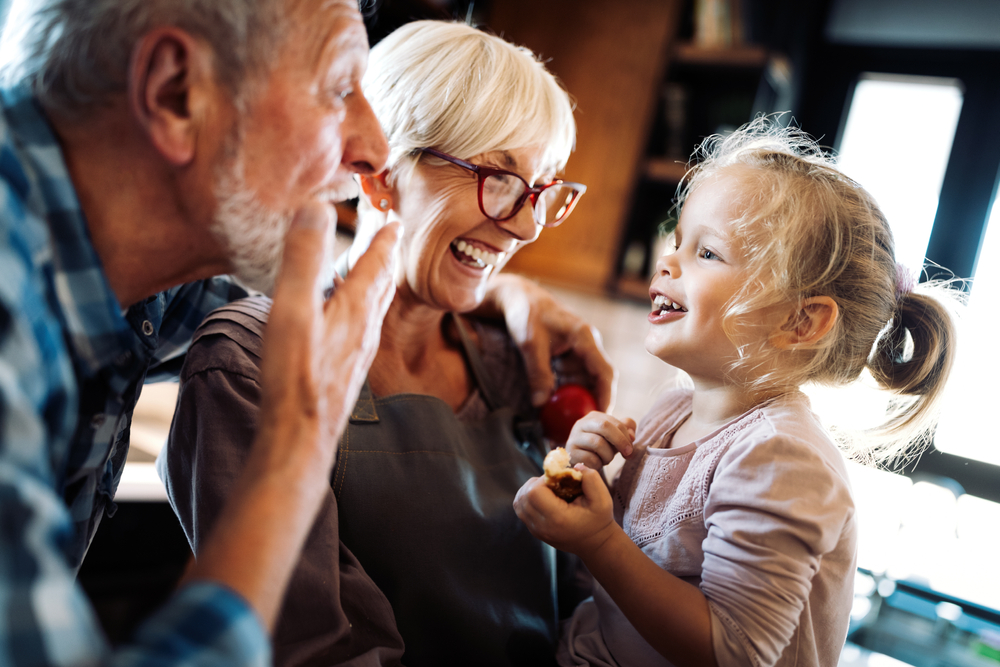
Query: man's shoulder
(230, 339)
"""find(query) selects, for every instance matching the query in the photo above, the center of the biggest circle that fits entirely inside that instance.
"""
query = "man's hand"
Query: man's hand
(316, 354)
(544, 329)
(316, 357)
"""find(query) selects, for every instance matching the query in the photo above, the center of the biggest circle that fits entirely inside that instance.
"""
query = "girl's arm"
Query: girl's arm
(671, 614)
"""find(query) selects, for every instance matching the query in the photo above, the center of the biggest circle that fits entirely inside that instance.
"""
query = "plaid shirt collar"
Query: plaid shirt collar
(92, 318)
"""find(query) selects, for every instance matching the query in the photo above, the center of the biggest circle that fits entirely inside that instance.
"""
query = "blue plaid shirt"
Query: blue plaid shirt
(72, 365)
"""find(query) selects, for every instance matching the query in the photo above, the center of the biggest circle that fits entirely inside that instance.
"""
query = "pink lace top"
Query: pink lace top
(758, 514)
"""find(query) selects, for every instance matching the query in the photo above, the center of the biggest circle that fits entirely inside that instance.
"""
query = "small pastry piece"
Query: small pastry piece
(564, 481)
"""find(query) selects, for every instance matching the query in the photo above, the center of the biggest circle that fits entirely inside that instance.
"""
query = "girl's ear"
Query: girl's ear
(376, 189)
(813, 319)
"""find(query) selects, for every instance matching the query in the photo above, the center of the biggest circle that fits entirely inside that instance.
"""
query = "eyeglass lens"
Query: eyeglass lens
(501, 193)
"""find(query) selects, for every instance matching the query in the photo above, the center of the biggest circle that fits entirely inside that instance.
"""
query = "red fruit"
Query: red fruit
(567, 404)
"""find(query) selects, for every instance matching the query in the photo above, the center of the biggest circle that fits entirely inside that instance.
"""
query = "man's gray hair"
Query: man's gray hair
(74, 53)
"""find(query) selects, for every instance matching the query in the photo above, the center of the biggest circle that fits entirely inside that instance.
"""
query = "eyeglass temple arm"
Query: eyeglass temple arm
(451, 158)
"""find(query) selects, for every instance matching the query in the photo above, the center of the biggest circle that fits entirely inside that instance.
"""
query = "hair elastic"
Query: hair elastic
(905, 280)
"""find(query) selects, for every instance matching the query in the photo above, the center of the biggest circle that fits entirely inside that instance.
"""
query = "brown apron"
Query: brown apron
(425, 503)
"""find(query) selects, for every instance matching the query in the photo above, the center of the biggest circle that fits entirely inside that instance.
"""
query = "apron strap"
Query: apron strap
(476, 364)
(364, 409)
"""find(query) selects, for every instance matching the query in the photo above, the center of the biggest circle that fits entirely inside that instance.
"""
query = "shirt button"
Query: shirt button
(96, 421)
(147, 327)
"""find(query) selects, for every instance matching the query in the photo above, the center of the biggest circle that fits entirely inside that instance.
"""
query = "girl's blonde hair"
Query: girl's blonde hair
(449, 86)
(809, 230)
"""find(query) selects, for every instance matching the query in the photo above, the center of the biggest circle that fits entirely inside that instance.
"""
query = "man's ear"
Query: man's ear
(170, 76)
(812, 319)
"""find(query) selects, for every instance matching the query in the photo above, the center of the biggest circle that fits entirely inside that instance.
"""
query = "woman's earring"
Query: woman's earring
(384, 204)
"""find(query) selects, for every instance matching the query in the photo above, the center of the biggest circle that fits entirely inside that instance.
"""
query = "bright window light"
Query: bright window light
(896, 144)
(966, 428)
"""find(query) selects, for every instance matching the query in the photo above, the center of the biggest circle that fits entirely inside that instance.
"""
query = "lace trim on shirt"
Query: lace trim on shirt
(660, 492)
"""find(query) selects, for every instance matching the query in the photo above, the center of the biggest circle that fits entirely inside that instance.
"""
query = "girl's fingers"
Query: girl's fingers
(588, 458)
(614, 432)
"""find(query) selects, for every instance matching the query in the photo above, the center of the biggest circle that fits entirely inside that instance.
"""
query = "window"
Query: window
(886, 113)
(967, 428)
(919, 132)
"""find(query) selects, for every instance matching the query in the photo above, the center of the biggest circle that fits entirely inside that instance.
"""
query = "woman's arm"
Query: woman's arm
(543, 329)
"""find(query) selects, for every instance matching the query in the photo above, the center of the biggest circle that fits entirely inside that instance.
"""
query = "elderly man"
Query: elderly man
(145, 146)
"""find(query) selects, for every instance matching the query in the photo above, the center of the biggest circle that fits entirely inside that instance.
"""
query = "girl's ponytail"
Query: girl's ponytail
(913, 358)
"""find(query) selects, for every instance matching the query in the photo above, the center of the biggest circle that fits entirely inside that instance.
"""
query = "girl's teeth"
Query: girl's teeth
(660, 303)
(477, 255)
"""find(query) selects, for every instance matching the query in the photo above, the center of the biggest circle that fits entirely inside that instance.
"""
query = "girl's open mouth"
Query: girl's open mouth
(662, 304)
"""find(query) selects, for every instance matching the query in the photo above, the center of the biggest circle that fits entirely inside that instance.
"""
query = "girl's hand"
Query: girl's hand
(580, 527)
(596, 439)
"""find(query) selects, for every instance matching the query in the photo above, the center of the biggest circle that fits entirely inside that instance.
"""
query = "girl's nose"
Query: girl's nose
(666, 265)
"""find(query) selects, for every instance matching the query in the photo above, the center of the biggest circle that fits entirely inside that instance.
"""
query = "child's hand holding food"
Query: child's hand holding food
(578, 527)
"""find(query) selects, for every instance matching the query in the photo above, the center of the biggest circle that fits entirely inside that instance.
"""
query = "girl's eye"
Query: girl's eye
(705, 253)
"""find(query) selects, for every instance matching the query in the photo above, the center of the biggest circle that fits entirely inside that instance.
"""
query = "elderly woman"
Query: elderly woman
(444, 432)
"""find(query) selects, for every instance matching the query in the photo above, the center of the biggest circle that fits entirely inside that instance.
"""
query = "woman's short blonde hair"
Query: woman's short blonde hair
(809, 230)
(449, 86)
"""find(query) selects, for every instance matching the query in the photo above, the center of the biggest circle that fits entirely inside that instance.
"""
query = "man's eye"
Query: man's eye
(341, 90)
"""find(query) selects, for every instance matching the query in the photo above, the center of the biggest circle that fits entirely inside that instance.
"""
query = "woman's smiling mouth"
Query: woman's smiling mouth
(475, 257)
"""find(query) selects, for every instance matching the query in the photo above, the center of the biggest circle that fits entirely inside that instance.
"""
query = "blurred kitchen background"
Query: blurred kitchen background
(907, 92)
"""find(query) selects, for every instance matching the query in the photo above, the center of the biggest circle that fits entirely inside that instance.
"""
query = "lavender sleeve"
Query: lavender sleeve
(777, 513)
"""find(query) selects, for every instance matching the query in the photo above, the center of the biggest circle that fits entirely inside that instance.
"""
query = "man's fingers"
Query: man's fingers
(296, 293)
(303, 254)
(353, 315)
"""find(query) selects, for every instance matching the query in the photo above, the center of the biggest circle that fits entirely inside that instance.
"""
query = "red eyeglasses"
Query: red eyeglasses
(502, 193)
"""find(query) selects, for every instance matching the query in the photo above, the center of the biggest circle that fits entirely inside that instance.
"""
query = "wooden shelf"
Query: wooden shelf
(746, 55)
(633, 288)
(665, 170)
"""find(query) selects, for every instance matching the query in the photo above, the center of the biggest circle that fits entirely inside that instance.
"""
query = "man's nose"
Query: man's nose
(365, 147)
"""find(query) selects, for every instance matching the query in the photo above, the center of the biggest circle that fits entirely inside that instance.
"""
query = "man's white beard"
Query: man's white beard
(254, 235)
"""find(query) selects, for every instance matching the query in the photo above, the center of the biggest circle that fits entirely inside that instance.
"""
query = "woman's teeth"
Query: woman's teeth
(661, 303)
(477, 257)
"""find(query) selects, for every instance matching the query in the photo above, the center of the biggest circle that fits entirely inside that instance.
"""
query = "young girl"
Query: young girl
(729, 537)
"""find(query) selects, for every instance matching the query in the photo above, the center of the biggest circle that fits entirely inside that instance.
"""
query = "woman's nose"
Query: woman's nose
(522, 226)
